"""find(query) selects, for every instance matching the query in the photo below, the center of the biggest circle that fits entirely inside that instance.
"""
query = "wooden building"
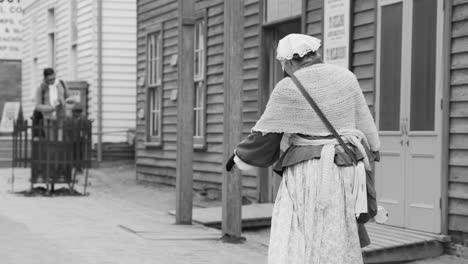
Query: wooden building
(411, 59)
(92, 41)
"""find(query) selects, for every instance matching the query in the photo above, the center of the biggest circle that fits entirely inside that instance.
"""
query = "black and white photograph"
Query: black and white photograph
(233, 131)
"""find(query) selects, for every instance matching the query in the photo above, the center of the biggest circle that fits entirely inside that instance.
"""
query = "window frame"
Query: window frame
(157, 87)
(199, 142)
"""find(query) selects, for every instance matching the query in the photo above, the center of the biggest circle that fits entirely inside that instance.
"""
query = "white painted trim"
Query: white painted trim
(388, 2)
(389, 133)
(422, 133)
(439, 96)
(377, 66)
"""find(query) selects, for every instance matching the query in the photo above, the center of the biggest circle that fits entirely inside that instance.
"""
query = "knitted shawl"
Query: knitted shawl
(335, 90)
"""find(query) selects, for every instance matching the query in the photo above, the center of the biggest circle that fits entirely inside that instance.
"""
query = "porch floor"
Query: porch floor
(389, 244)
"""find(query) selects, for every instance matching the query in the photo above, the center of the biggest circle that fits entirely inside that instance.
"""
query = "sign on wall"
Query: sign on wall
(336, 32)
(11, 12)
(10, 114)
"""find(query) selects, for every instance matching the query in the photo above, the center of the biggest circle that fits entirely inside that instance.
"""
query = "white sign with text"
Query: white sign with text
(336, 32)
(11, 13)
(10, 114)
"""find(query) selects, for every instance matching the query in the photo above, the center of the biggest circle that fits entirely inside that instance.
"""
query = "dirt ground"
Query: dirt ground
(119, 178)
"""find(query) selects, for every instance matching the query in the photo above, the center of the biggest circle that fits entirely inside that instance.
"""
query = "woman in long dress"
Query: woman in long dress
(322, 192)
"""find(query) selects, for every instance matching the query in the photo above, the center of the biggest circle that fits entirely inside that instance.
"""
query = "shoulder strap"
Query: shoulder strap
(320, 114)
(42, 94)
(65, 89)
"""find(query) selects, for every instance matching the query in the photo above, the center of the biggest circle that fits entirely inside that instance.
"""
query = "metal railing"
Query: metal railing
(55, 151)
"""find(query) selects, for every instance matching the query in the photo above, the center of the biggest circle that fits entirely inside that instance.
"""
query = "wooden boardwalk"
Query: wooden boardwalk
(388, 243)
(253, 215)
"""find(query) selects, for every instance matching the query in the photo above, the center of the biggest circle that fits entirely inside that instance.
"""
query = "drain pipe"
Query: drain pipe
(99, 81)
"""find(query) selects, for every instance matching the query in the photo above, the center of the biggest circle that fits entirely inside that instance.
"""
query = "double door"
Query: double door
(408, 112)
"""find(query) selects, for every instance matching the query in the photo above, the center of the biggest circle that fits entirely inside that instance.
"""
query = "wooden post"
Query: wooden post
(266, 38)
(184, 169)
(447, 40)
(233, 61)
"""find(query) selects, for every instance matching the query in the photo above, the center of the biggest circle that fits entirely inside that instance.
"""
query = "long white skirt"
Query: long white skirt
(303, 234)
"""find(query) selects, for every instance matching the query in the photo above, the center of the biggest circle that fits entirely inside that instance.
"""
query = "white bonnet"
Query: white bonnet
(296, 44)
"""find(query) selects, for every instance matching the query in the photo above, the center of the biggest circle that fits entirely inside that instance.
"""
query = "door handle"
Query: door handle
(403, 127)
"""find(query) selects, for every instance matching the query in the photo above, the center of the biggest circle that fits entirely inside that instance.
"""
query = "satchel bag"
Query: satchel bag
(371, 194)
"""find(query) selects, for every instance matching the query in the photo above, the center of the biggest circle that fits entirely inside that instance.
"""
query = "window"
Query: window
(199, 83)
(51, 36)
(73, 21)
(73, 56)
(154, 59)
(73, 62)
(155, 110)
(33, 34)
(154, 83)
(34, 67)
(390, 68)
(423, 69)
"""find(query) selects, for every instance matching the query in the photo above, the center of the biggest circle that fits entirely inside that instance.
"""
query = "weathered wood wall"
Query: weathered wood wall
(458, 148)
(313, 18)
(208, 165)
(118, 36)
(363, 19)
(251, 91)
(158, 164)
(118, 69)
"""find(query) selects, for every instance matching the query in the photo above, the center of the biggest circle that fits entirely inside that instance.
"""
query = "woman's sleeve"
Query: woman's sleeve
(364, 120)
(259, 150)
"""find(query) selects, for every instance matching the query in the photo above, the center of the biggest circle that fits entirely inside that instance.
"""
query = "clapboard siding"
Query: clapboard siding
(62, 38)
(251, 89)
(362, 55)
(119, 49)
(27, 72)
(35, 35)
(313, 17)
(458, 147)
(87, 53)
(119, 68)
(157, 163)
(252, 32)
(364, 20)
(207, 164)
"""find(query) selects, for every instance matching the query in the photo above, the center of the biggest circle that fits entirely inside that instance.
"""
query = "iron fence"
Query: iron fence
(56, 151)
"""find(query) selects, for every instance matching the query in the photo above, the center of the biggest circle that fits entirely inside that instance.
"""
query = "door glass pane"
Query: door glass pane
(390, 67)
(423, 65)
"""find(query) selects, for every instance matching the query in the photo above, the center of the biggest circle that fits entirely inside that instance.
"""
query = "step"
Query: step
(394, 244)
(388, 244)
